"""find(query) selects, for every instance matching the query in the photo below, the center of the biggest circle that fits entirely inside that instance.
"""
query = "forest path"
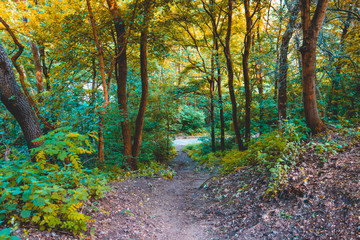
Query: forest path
(156, 208)
(178, 204)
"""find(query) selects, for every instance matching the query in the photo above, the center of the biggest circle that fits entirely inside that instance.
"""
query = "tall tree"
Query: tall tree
(121, 78)
(245, 62)
(293, 11)
(104, 85)
(22, 76)
(311, 29)
(139, 124)
(230, 71)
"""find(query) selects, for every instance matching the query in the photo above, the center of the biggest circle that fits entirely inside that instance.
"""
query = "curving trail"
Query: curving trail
(156, 208)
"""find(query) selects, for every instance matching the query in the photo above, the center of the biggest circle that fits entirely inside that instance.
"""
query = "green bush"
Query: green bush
(274, 154)
(48, 195)
(190, 119)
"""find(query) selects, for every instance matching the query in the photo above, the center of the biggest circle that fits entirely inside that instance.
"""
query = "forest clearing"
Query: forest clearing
(179, 119)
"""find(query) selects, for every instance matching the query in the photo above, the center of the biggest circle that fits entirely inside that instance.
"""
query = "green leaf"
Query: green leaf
(35, 219)
(62, 155)
(15, 238)
(16, 191)
(19, 179)
(26, 195)
(5, 232)
(272, 170)
(39, 202)
(25, 213)
(48, 209)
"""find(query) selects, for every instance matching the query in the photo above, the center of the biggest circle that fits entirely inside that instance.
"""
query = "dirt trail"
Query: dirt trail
(156, 208)
(178, 203)
(149, 208)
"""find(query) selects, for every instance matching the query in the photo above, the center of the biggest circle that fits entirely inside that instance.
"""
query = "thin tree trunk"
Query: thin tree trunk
(230, 71)
(45, 69)
(222, 119)
(259, 77)
(139, 124)
(15, 101)
(38, 69)
(212, 121)
(311, 29)
(246, 54)
(283, 63)
(101, 157)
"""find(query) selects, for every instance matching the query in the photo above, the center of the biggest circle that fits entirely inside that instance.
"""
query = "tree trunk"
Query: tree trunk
(212, 121)
(22, 75)
(45, 69)
(259, 78)
(283, 63)
(139, 124)
(15, 101)
(121, 79)
(101, 157)
(311, 29)
(38, 69)
(222, 119)
(247, 46)
(230, 71)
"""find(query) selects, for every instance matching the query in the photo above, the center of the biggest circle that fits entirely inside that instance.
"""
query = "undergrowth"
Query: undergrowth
(50, 193)
(274, 154)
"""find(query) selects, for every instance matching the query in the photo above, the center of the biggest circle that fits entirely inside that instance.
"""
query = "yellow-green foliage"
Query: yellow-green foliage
(61, 144)
(273, 154)
(210, 161)
(46, 194)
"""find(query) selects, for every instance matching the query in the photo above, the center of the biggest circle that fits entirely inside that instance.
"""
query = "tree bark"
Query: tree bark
(121, 79)
(22, 75)
(219, 79)
(259, 78)
(230, 71)
(139, 124)
(99, 48)
(311, 29)
(212, 119)
(15, 101)
(245, 60)
(45, 69)
(283, 63)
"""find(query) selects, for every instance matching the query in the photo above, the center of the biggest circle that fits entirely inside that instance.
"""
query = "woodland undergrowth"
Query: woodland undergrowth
(51, 193)
(274, 154)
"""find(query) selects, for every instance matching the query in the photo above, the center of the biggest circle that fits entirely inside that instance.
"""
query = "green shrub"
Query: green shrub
(190, 119)
(46, 194)
(274, 154)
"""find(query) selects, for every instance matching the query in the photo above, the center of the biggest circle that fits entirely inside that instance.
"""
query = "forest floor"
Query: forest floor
(320, 201)
(151, 208)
